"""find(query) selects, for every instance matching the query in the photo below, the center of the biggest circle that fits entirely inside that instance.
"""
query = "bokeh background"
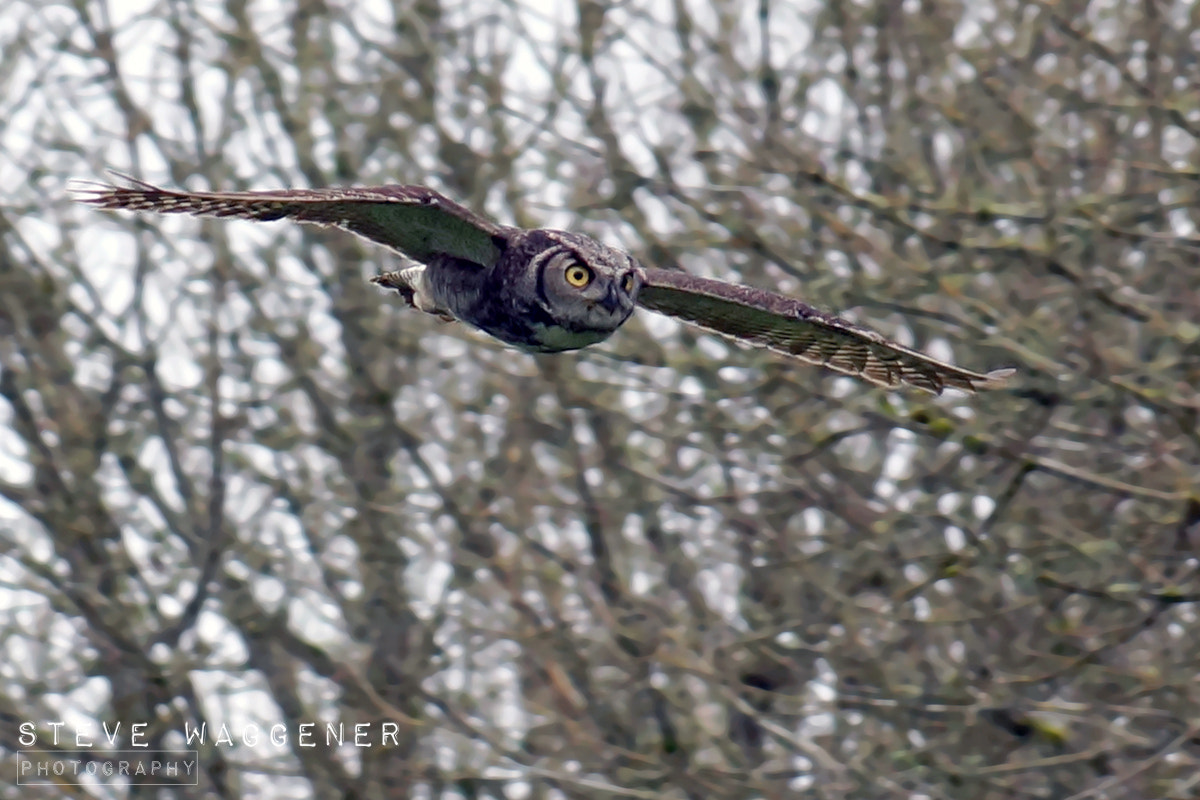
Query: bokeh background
(242, 487)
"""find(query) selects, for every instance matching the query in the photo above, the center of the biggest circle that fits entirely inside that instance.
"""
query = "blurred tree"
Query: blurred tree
(244, 488)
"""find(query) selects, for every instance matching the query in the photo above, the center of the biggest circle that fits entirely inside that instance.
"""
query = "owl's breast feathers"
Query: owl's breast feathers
(528, 326)
(553, 338)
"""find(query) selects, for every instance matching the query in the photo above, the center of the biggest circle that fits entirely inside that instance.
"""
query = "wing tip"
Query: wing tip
(972, 382)
(99, 193)
(891, 375)
(82, 190)
(996, 378)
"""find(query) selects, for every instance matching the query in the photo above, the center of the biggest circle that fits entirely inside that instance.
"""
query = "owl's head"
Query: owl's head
(582, 284)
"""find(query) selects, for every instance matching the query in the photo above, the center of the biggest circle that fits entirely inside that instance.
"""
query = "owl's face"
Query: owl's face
(586, 286)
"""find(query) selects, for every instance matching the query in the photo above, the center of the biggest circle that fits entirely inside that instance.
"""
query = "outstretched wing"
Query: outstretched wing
(411, 220)
(791, 327)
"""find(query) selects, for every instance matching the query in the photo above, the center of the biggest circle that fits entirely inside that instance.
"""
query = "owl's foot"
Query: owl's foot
(394, 280)
(412, 286)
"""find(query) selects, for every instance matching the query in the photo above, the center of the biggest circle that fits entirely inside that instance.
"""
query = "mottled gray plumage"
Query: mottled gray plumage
(546, 290)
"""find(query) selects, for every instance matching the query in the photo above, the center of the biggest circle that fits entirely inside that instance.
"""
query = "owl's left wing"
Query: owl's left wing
(412, 220)
(796, 329)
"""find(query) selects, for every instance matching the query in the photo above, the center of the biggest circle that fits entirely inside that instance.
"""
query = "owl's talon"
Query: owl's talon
(393, 280)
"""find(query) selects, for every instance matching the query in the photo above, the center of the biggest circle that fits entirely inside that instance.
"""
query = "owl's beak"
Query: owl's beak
(611, 301)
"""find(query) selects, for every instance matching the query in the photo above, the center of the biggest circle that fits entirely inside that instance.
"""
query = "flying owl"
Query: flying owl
(547, 291)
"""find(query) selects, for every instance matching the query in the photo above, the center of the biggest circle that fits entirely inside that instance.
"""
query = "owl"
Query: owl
(547, 291)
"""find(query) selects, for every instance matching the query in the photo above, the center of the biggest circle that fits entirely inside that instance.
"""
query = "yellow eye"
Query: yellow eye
(627, 283)
(578, 276)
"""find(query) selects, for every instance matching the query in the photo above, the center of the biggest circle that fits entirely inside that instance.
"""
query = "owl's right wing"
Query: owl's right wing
(411, 220)
(789, 326)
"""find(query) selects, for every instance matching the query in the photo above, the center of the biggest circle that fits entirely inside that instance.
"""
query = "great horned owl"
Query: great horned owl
(546, 290)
